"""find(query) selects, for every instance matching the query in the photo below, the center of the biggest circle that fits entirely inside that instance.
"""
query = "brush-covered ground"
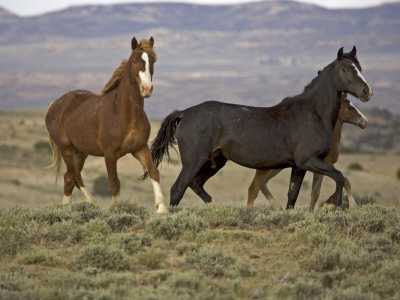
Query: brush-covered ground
(125, 251)
(81, 251)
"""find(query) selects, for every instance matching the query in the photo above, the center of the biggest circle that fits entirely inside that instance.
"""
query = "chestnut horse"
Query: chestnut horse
(112, 124)
(295, 133)
(348, 114)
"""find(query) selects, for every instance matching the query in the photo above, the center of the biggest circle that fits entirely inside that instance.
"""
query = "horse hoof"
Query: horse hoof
(211, 203)
(161, 209)
(66, 200)
(329, 207)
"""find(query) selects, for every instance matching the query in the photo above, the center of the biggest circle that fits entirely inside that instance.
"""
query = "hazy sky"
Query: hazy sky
(34, 7)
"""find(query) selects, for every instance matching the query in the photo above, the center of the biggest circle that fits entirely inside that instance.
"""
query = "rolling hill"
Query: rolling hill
(255, 53)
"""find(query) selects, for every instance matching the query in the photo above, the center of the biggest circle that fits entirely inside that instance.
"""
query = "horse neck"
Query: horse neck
(333, 154)
(327, 100)
(130, 100)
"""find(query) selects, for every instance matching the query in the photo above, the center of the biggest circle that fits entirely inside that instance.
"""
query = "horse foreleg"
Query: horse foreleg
(316, 165)
(315, 190)
(296, 179)
(255, 186)
(347, 187)
(114, 184)
(144, 157)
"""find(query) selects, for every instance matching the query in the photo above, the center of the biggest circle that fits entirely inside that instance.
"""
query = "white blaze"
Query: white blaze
(145, 76)
(359, 112)
(362, 77)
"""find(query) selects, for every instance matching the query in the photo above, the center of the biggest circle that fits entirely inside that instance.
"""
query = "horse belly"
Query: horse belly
(259, 151)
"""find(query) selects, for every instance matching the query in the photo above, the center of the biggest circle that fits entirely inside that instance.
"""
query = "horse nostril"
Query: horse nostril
(366, 91)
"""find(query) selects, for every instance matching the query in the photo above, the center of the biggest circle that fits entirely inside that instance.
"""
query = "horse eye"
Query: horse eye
(134, 62)
(344, 69)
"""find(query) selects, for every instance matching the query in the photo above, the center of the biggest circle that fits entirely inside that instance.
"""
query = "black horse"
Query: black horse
(295, 133)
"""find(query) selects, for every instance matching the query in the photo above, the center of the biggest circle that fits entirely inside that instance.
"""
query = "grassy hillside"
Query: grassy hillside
(81, 251)
(125, 251)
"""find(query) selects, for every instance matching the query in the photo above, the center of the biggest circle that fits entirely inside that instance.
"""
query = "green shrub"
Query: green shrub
(103, 257)
(13, 240)
(355, 166)
(212, 263)
(126, 206)
(123, 221)
(40, 256)
(15, 283)
(364, 199)
(299, 289)
(97, 227)
(53, 214)
(398, 174)
(385, 281)
(65, 232)
(316, 235)
(220, 215)
(186, 247)
(280, 218)
(86, 211)
(172, 226)
(151, 258)
(243, 269)
(100, 186)
(133, 242)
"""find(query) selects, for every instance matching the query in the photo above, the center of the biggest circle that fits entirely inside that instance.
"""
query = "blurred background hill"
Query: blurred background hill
(255, 53)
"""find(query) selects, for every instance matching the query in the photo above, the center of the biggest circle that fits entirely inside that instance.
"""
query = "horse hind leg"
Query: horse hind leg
(144, 157)
(68, 182)
(264, 188)
(347, 187)
(255, 186)
(74, 161)
(208, 170)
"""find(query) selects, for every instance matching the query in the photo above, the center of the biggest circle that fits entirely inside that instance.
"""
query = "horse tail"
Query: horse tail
(55, 163)
(165, 138)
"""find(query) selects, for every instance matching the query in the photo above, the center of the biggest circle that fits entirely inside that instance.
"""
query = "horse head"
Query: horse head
(348, 76)
(350, 114)
(142, 62)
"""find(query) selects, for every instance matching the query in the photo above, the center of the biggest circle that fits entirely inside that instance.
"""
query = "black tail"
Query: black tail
(165, 138)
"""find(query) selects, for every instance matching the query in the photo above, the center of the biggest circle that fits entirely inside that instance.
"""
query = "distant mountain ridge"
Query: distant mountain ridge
(254, 53)
(105, 20)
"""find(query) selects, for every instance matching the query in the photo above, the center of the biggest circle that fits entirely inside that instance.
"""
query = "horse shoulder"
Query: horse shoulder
(136, 134)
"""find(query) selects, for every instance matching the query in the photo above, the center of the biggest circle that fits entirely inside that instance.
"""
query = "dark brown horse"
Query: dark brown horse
(348, 114)
(81, 123)
(295, 133)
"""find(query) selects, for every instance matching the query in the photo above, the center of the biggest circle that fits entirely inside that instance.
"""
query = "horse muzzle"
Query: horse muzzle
(367, 94)
(363, 123)
(146, 90)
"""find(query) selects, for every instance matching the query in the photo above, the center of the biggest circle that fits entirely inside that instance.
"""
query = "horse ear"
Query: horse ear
(134, 43)
(340, 53)
(353, 51)
(151, 40)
